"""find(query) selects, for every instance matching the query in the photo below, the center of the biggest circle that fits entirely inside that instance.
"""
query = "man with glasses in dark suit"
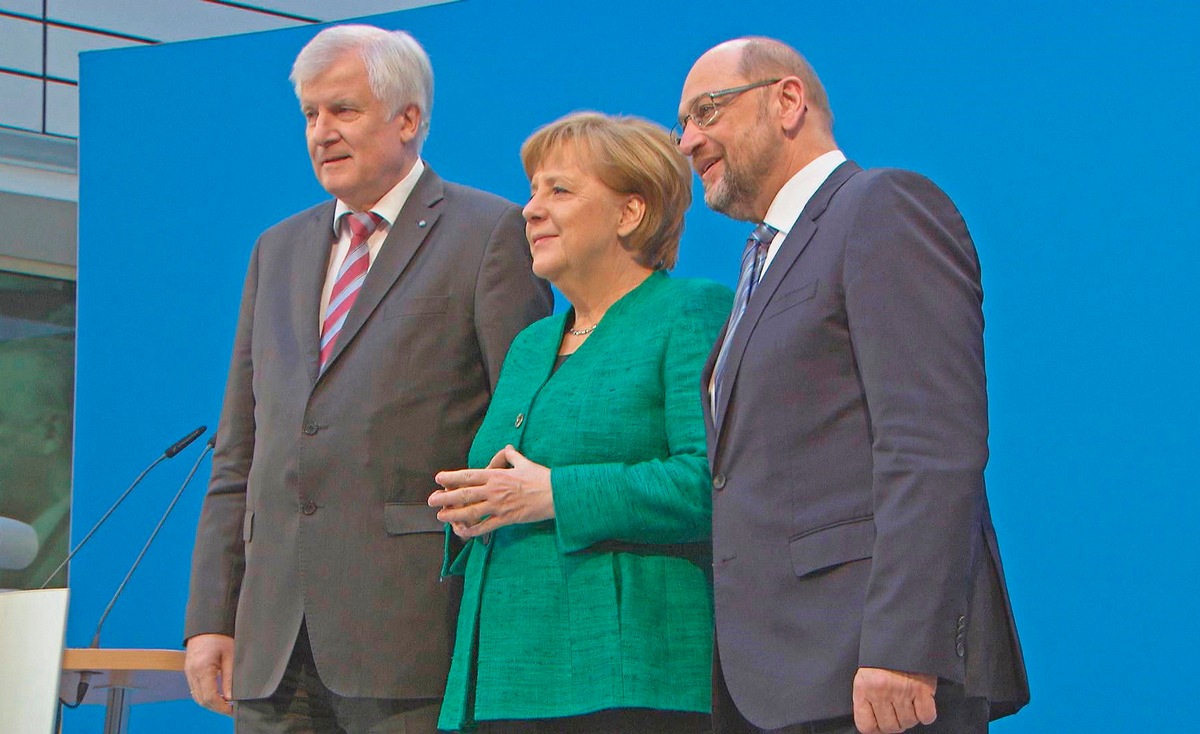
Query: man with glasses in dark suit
(857, 580)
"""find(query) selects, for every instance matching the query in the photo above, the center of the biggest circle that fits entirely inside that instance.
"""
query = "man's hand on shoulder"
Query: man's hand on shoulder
(209, 670)
(891, 701)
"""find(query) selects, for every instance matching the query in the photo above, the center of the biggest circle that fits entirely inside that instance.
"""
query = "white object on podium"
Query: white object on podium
(32, 629)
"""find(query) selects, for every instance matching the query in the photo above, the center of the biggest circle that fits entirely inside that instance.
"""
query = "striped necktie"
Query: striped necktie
(349, 279)
(753, 258)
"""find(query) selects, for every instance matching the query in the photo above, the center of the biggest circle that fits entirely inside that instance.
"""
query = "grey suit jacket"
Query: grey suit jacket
(316, 506)
(850, 522)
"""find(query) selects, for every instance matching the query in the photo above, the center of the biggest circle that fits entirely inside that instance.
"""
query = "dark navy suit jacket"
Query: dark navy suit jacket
(850, 522)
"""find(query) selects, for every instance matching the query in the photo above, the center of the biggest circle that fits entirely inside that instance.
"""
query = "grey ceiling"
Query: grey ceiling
(40, 41)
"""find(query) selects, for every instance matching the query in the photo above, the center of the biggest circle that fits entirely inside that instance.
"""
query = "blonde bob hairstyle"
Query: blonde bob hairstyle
(630, 156)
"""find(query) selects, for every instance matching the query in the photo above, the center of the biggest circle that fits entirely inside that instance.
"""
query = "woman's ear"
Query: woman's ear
(632, 215)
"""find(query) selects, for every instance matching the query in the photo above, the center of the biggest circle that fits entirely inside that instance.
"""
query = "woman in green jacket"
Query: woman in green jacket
(587, 595)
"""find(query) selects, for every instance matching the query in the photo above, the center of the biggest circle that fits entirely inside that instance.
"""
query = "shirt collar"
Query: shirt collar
(794, 196)
(388, 208)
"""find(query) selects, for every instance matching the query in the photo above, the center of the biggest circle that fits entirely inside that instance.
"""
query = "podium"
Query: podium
(35, 670)
(32, 627)
(121, 678)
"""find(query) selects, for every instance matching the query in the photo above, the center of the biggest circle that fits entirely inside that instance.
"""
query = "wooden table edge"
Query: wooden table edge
(90, 658)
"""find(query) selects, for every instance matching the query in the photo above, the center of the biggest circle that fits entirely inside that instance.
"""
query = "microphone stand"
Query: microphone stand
(170, 453)
(174, 500)
(82, 688)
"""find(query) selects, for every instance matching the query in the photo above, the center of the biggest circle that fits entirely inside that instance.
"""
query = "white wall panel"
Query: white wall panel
(64, 44)
(37, 228)
(21, 44)
(325, 10)
(27, 7)
(22, 102)
(163, 21)
(62, 109)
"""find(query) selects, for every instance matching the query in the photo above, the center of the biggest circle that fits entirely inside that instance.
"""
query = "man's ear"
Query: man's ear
(410, 122)
(792, 99)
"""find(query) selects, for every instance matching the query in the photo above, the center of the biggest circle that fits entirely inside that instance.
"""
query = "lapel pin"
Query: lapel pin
(421, 223)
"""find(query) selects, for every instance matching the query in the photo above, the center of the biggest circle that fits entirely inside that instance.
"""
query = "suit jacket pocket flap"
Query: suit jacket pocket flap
(414, 306)
(832, 545)
(406, 518)
(794, 297)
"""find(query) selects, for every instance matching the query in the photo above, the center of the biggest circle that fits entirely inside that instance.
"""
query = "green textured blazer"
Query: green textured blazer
(609, 605)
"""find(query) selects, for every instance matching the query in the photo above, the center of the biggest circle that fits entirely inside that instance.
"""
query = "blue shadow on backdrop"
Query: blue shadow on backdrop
(1063, 131)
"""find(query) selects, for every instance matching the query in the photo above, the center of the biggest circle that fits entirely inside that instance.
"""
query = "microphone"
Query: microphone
(18, 544)
(208, 446)
(184, 442)
(170, 452)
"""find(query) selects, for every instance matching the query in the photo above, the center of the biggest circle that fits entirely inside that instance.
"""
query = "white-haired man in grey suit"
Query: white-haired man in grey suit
(371, 333)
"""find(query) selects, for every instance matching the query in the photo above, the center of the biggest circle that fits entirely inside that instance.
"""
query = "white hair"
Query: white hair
(398, 69)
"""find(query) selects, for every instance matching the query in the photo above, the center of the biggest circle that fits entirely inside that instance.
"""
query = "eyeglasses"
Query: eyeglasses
(706, 109)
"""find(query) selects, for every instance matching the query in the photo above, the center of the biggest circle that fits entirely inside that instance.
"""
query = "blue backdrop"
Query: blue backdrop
(1064, 132)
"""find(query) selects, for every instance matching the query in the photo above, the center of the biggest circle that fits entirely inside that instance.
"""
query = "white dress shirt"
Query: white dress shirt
(794, 196)
(785, 210)
(388, 208)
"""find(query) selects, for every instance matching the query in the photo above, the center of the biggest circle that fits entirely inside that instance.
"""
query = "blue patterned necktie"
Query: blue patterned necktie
(753, 258)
